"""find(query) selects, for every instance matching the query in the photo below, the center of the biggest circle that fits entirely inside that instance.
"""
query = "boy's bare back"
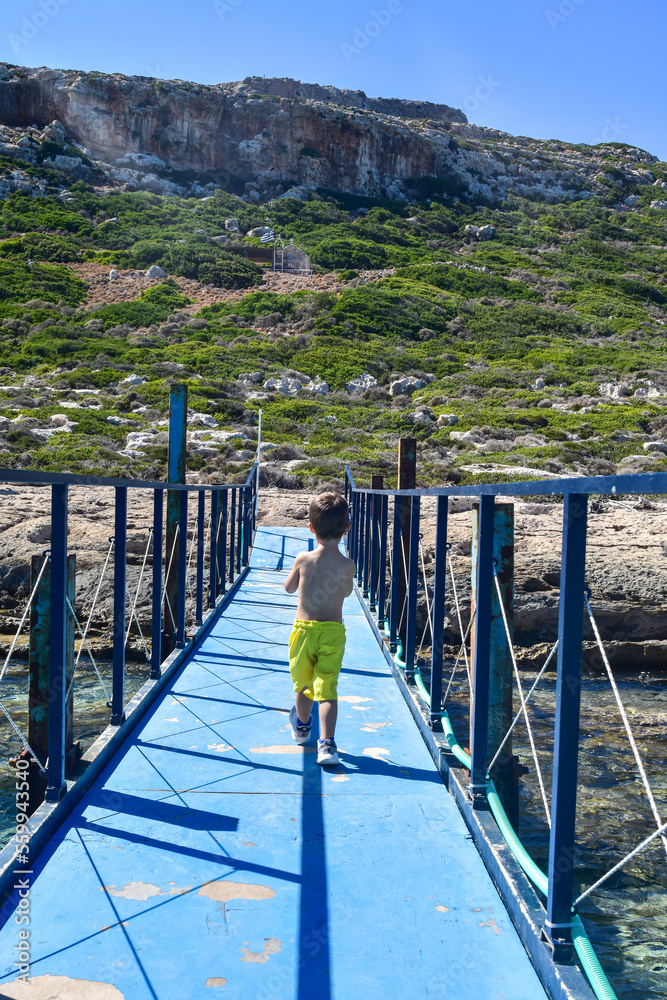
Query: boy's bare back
(324, 578)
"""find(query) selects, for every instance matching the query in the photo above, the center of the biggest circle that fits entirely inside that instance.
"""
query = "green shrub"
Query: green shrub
(166, 294)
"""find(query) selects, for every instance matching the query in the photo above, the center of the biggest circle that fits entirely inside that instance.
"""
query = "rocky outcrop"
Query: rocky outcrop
(265, 137)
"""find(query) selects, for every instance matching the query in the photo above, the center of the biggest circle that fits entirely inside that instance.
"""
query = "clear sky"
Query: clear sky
(579, 70)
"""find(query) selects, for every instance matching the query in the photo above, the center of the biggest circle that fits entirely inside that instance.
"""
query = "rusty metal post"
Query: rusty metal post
(501, 683)
(38, 670)
(407, 480)
(176, 464)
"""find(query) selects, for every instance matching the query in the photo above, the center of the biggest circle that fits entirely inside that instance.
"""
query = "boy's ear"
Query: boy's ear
(347, 529)
(311, 527)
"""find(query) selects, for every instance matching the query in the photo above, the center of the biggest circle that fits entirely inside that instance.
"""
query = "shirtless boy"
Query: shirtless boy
(324, 578)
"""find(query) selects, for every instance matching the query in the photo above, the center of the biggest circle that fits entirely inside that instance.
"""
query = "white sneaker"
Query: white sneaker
(300, 733)
(327, 754)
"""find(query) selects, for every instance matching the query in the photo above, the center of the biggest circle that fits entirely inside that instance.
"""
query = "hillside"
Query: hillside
(506, 306)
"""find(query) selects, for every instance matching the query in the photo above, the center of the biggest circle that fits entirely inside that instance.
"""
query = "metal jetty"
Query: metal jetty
(196, 852)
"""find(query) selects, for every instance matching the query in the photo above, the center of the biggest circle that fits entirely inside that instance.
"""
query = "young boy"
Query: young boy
(324, 578)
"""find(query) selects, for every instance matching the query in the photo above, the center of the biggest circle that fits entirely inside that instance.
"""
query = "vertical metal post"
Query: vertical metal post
(367, 541)
(438, 613)
(382, 568)
(377, 483)
(351, 500)
(119, 598)
(232, 537)
(55, 788)
(72, 750)
(176, 465)
(501, 672)
(413, 584)
(182, 569)
(566, 737)
(362, 539)
(407, 480)
(481, 662)
(40, 630)
(396, 570)
(239, 529)
(156, 623)
(199, 593)
(213, 554)
(222, 542)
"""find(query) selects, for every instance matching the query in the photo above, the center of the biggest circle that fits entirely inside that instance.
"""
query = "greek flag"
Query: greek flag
(268, 237)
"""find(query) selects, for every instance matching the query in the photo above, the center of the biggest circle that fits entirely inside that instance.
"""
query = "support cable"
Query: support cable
(626, 721)
(660, 832)
(133, 604)
(88, 650)
(458, 611)
(166, 579)
(520, 712)
(47, 556)
(523, 700)
(97, 594)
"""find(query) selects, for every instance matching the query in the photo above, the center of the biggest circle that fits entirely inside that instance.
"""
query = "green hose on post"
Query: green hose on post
(582, 944)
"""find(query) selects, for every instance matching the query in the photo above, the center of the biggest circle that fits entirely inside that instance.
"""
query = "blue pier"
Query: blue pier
(212, 857)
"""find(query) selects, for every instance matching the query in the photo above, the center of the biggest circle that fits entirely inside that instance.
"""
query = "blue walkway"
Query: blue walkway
(214, 858)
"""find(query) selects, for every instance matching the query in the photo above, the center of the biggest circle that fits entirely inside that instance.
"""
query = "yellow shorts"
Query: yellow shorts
(315, 658)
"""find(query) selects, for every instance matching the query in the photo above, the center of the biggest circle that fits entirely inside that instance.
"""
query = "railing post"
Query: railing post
(377, 483)
(222, 542)
(199, 593)
(558, 927)
(55, 788)
(413, 584)
(368, 519)
(361, 572)
(119, 599)
(482, 658)
(182, 569)
(501, 672)
(156, 622)
(396, 572)
(407, 480)
(239, 533)
(213, 553)
(232, 537)
(176, 464)
(351, 536)
(382, 569)
(438, 613)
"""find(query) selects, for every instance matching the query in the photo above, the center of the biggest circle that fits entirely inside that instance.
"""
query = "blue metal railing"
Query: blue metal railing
(223, 569)
(368, 546)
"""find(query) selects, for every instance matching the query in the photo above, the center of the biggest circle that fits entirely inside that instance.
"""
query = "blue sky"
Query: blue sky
(579, 70)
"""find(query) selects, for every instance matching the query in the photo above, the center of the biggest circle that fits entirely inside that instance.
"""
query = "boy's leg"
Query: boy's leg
(303, 706)
(328, 716)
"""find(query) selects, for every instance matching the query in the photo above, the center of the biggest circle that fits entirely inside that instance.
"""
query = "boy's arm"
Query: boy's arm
(292, 581)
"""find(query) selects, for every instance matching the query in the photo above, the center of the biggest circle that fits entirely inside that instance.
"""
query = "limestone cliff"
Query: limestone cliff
(262, 137)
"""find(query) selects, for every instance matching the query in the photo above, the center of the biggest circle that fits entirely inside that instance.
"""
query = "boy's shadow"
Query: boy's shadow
(361, 763)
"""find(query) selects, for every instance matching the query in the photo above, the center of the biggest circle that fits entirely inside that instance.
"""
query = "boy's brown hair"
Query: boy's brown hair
(329, 515)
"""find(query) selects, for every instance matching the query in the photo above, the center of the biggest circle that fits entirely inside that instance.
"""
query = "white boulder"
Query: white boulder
(613, 391)
(655, 446)
(406, 386)
(486, 232)
(317, 388)
(363, 382)
(447, 420)
(285, 385)
(205, 419)
(661, 203)
(253, 377)
(232, 225)
(113, 274)
(632, 200)
(132, 380)
(155, 271)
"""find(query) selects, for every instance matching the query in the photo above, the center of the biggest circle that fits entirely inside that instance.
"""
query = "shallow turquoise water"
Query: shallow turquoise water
(626, 918)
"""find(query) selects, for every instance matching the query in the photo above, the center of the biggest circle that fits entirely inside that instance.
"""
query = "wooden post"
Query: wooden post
(505, 772)
(407, 480)
(38, 683)
(176, 464)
